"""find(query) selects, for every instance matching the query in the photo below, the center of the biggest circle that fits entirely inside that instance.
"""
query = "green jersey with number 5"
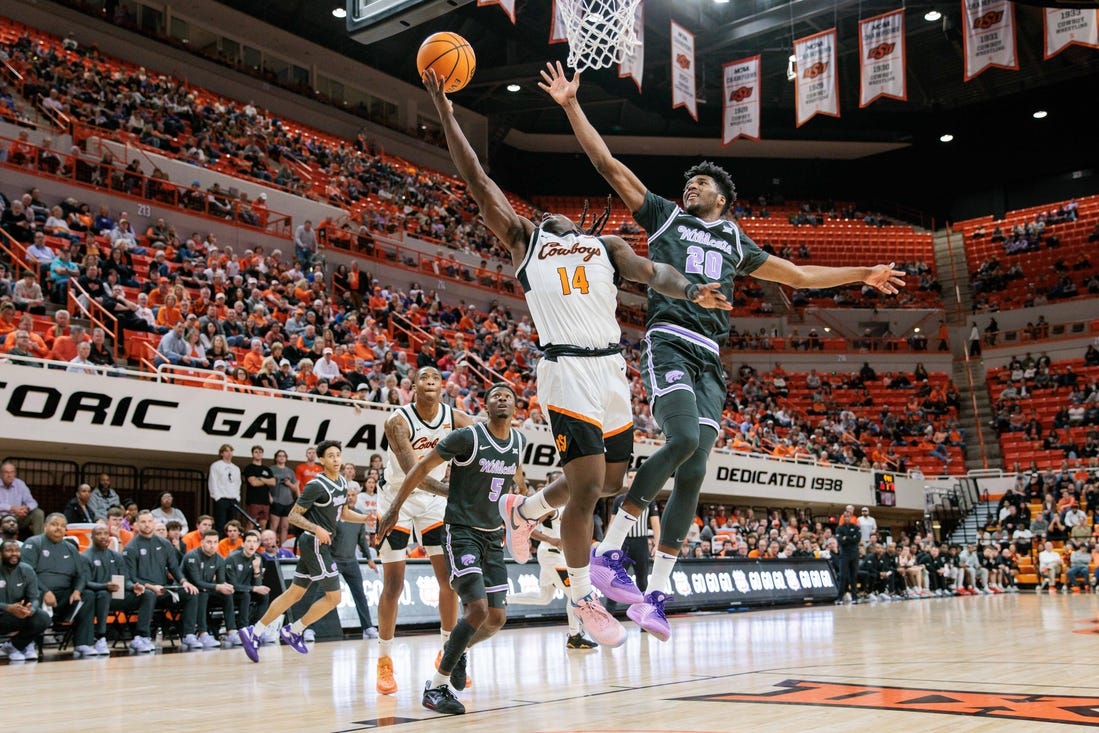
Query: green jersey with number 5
(705, 252)
(482, 469)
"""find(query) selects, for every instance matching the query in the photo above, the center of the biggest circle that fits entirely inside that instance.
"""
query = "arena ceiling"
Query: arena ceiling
(994, 107)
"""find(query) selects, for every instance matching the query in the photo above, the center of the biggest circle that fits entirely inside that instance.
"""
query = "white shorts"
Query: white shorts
(590, 389)
(421, 513)
(550, 564)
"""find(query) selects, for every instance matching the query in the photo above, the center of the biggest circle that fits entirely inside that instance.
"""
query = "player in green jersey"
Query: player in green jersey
(680, 358)
(485, 460)
(322, 504)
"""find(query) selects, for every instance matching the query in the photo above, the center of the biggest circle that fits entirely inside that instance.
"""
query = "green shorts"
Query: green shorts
(677, 360)
(316, 564)
(475, 564)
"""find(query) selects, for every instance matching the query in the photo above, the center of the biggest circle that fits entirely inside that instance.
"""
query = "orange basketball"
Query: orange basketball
(450, 56)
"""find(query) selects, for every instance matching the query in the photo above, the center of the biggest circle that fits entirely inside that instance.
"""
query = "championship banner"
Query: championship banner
(882, 58)
(633, 65)
(557, 25)
(817, 82)
(507, 5)
(740, 100)
(1069, 26)
(683, 70)
(989, 36)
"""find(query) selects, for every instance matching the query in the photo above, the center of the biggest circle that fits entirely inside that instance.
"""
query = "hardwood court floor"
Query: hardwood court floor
(996, 663)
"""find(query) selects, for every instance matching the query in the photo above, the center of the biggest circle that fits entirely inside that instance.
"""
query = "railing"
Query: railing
(387, 251)
(82, 133)
(61, 121)
(93, 311)
(17, 255)
(954, 273)
(1045, 332)
(81, 171)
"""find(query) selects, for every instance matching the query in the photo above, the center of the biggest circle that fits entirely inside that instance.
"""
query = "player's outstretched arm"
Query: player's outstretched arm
(412, 480)
(513, 230)
(627, 185)
(883, 278)
(662, 278)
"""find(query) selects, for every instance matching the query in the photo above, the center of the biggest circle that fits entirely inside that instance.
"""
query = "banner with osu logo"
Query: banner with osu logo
(683, 70)
(882, 58)
(817, 81)
(1065, 27)
(633, 64)
(989, 36)
(740, 100)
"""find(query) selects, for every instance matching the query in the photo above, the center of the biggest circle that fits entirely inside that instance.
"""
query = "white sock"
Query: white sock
(445, 634)
(439, 679)
(579, 582)
(535, 507)
(258, 628)
(574, 623)
(621, 524)
(384, 647)
(661, 578)
(297, 627)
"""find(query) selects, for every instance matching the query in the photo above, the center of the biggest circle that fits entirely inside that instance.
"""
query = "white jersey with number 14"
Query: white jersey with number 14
(569, 281)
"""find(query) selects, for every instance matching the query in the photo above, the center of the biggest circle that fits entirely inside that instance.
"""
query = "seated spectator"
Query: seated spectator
(165, 512)
(192, 539)
(233, 538)
(1050, 565)
(1076, 576)
(27, 294)
(16, 499)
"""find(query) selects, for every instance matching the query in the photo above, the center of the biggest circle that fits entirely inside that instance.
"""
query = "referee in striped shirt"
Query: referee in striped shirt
(637, 546)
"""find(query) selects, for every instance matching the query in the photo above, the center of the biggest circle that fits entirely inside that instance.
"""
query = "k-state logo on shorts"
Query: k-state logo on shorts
(673, 376)
(467, 560)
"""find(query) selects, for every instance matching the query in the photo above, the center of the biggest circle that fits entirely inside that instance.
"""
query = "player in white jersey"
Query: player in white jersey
(412, 431)
(552, 576)
(569, 277)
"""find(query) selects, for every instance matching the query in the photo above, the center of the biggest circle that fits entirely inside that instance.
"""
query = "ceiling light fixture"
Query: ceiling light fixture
(513, 88)
(932, 15)
(946, 138)
(339, 13)
(1041, 114)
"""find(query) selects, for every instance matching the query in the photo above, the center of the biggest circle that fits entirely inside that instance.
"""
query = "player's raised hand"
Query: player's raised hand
(710, 296)
(434, 85)
(557, 85)
(885, 278)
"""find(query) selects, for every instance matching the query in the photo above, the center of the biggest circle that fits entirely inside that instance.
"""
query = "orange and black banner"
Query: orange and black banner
(1068, 709)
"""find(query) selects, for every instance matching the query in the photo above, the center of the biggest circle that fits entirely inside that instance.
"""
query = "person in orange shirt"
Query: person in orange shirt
(38, 346)
(120, 536)
(234, 538)
(168, 314)
(193, 539)
(64, 347)
(7, 319)
(253, 360)
(363, 350)
(377, 301)
(306, 375)
(159, 296)
(310, 469)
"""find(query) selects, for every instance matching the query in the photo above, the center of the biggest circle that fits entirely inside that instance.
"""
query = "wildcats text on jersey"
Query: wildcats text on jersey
(701, 236)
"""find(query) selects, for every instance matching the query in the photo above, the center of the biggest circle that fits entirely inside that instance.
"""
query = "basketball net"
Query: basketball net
(601, 32)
